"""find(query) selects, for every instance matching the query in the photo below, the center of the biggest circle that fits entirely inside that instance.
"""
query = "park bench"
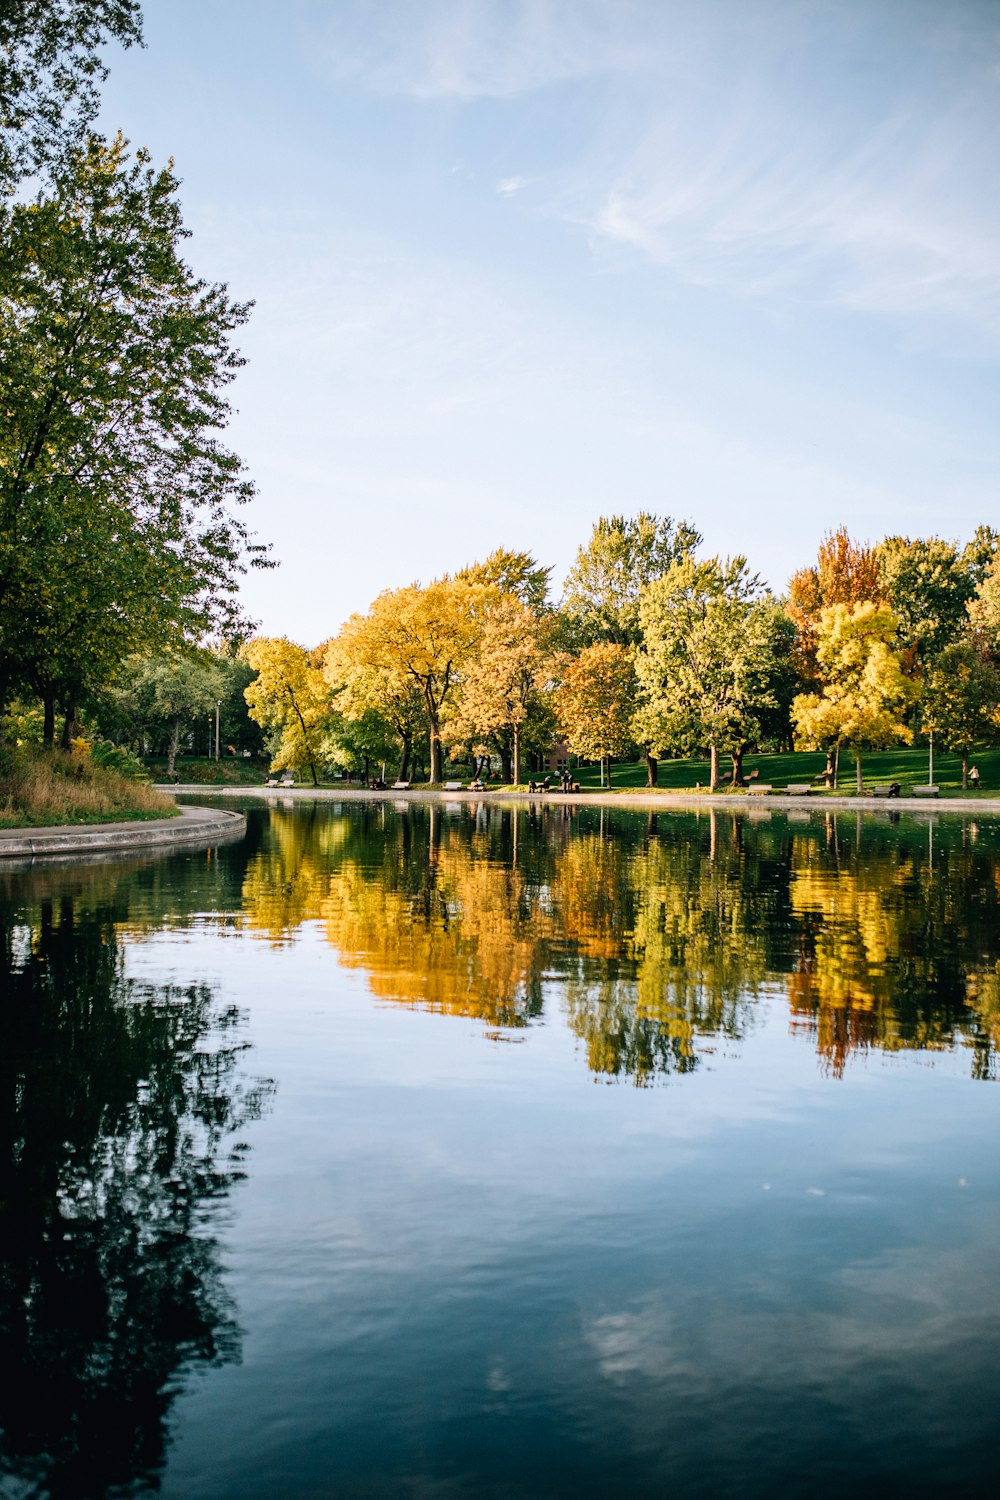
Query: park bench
(891, 790)
(452, 786)
(926, 791)
(400, 786)
(799, 789)
(284, 781)
(759, 789)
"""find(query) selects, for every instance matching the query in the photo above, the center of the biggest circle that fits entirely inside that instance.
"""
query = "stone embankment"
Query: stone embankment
(194, 825)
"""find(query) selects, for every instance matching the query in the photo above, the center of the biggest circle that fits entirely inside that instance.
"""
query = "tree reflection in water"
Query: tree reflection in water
(120, 1102)
(662, 931)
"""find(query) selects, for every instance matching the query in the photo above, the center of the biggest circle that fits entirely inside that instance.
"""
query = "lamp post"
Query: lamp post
(218, 706)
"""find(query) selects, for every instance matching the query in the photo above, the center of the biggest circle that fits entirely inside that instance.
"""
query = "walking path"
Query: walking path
(195, 825)
(624, 801)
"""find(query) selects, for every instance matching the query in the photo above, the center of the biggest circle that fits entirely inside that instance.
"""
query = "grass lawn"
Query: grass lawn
(908, 767)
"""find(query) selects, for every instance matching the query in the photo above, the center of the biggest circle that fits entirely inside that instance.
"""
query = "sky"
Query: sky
(517, 264)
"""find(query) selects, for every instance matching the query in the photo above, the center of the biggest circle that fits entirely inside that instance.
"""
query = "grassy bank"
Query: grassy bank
(200, 770)
(908, 767)
(40, 788)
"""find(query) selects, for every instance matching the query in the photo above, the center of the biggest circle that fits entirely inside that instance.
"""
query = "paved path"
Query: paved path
(196, 825)
(624, 801)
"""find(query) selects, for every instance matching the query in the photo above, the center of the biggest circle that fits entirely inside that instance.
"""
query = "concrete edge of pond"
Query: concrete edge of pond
(195, 825)
(652, 801)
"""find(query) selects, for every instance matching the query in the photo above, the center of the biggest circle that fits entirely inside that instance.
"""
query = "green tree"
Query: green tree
(714, 649)
(929, 584)
(866, 691)
(623, 556)
(181, 689)
(514, 573)
(962, 700)
(117, 528)
(595, 700)
(50, 68)
(984, 607)
(290, 698)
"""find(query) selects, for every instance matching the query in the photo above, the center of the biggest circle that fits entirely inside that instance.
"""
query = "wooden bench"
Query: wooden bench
(891, 790)
(926, 791)
(759, 789)
(400, 786)
(799, 789)
(452, 786)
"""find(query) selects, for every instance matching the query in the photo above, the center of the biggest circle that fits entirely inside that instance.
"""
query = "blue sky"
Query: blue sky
(520, 263)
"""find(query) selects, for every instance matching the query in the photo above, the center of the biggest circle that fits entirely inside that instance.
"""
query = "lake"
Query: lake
(464, 1150)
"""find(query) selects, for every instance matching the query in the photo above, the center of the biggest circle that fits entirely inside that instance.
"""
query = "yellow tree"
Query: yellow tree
(426, 636)
(290, 698)
(506, 680)
(845, 572)
(366, 687)
(595, 701)
(865, 690)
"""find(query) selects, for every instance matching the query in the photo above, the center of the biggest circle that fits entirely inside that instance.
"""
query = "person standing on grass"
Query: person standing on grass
(974, 778)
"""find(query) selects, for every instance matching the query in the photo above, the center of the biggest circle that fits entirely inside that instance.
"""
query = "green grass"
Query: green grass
(200, 770)
(51, 788)
(908, 767)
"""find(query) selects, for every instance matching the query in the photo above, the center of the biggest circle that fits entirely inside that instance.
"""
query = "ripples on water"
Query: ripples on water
(306, 1188)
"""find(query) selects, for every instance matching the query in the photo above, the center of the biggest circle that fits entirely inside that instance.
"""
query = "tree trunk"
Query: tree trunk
(713, 767)
(174, 742)
(609, 771)
(435, 739)
(69, 729)
(49, 722)
(736, 756)
(965, 770)
(404, 757)
(836, 766)
(517, 755)
(651, 766)
(857, 763)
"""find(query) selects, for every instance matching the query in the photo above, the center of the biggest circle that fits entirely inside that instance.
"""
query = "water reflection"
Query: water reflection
(661, 932)
(121, 1104)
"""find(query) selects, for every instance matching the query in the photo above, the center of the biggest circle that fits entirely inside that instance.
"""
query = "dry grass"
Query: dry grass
(40, 788)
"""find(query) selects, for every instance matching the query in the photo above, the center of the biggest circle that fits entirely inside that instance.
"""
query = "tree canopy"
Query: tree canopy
(50, 69)
(623, 556)
(117, 498)
(866, 691)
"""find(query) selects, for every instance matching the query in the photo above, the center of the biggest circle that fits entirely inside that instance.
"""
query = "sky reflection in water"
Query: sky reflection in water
(447, 1264)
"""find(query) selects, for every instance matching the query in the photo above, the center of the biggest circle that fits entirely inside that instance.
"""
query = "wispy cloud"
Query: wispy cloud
(473, 49)
(902, 221)
(844, 152)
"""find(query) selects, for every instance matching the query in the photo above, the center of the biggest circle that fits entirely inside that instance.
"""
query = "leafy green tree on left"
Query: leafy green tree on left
(118, 524)
(50, 67)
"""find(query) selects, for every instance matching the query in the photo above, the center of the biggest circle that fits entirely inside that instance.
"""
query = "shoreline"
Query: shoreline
(195, 825)
(641, 801)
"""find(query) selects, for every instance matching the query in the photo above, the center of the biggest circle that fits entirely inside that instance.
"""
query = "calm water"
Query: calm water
(443, 1152)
